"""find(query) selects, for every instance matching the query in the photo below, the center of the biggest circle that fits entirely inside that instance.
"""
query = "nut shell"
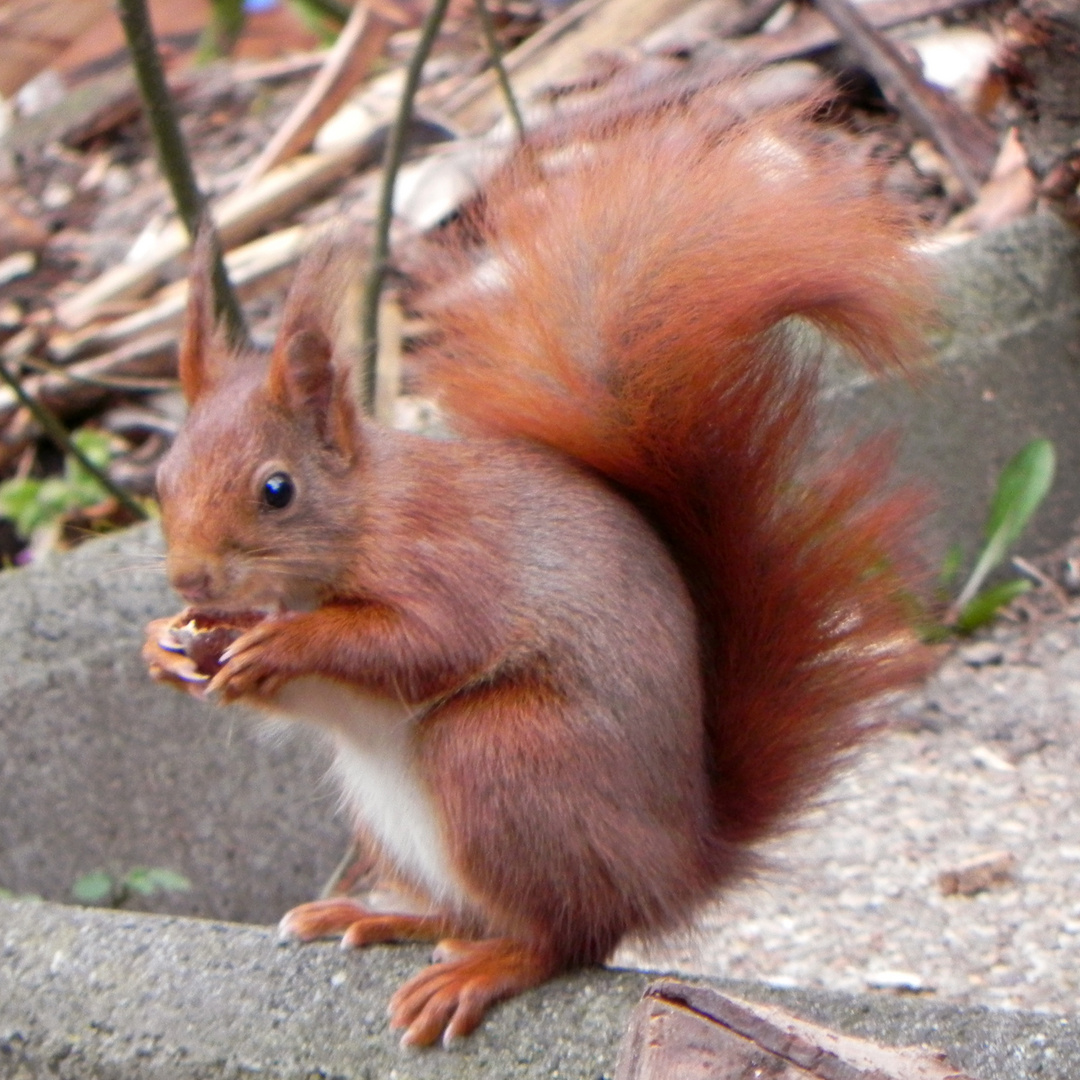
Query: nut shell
(193, 641)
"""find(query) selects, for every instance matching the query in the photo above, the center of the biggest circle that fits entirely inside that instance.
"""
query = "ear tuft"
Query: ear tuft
(309, 375)
(203, 347)
(304, 363)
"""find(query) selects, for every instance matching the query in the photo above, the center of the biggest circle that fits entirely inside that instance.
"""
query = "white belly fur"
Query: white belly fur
(374, 760)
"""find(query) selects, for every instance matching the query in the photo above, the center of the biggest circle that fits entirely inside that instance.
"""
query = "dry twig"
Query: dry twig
(395, 151)
(967, 141)
(358, 46)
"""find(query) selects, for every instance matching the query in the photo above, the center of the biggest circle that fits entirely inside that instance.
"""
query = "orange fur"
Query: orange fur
(577, 659)
(633, 327)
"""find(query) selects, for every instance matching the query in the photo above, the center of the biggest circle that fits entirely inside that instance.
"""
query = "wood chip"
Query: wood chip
(979, 875)
(681, 1030)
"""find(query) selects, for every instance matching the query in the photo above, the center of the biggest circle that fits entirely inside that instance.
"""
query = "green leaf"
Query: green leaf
(1022, 486)
(82, 487)
(950, 565)
(93, 888)
(19, 503)
(33, 504)
(989, 602)
(153, 879)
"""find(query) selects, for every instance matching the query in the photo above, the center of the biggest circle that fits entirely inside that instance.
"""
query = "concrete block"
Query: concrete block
(102, 768)
(1008, 371)
(96, 995)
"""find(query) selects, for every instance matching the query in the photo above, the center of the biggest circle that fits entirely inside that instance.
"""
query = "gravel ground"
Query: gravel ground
(981, 763)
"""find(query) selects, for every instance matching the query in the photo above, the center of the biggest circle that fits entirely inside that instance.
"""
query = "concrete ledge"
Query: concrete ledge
(96, 995)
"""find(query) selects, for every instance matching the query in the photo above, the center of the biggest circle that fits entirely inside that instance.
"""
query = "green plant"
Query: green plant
(102, 888)
(7, 894)
(1021, 488)
(34, 505)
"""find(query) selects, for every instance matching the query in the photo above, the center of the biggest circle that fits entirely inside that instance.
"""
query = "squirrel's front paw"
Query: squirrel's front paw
(259, 662)
(166, 664)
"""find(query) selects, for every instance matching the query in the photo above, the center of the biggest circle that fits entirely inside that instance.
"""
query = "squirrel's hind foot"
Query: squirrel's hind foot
(449, 998)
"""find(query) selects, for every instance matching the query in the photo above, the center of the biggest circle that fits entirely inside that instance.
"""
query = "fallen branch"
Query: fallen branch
(811, 31)
(239, 216)
(560, 51)
(80, 386)
(968, 142)
(358, 46)
(247, 266)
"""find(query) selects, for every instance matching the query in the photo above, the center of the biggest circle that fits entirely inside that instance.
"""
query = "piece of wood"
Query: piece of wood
(248, 266)
(83, 385)
(36, 32)
(753, 17)
(239, 216)
(360, 43)
(810, 31)
(968, 142)
(679, 1031)
(468, 94)
(560, 56)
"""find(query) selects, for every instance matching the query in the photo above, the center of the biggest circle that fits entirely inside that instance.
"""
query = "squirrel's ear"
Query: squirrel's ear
(204, 347)
(305, 381)
(304, 378)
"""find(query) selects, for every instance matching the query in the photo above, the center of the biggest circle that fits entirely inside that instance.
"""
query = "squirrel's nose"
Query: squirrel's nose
(193, 583)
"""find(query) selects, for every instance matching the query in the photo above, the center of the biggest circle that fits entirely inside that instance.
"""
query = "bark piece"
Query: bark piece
(978, 875)
(1042, 58)
(679, 1030)
(36, 32)
(811, 31)
(358, 46)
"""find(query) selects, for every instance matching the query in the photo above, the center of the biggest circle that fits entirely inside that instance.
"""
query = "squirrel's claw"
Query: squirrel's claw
(320, 918)
(357, 924)
(449, 999)
(256, 664)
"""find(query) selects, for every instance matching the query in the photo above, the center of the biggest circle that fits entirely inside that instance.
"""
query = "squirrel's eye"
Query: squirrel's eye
(278, 491)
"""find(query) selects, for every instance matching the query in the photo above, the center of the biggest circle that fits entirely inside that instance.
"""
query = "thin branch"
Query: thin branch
(59, 435)
(357, 48)
(172, 154)
(968, 141)
(395, 151)
(753, 17)
(487, 24)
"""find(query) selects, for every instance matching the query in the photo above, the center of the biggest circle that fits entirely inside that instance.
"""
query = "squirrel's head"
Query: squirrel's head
(254, 491)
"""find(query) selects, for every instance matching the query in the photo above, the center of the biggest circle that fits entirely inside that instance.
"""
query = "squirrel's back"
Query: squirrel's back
(630, 306)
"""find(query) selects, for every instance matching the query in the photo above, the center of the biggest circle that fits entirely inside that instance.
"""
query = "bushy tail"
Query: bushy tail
(631, 312)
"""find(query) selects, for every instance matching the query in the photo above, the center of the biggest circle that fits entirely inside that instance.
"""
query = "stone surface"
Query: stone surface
(1008, 372)
(100, 768)
(94, 995)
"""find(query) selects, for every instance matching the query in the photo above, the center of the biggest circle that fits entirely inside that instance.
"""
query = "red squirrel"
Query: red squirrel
(578, 657)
